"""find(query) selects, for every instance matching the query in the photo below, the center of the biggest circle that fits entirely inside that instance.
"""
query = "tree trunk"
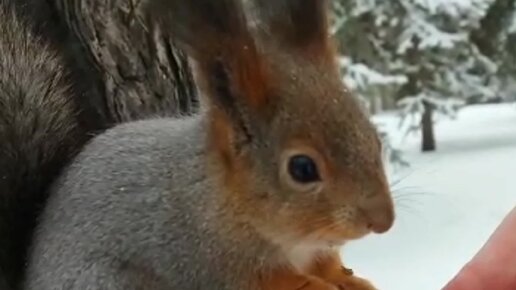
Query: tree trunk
(142, 72)
(427, 128)
(123, 67)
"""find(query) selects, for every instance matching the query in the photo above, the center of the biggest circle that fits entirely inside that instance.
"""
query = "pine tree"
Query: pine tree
(425, 43)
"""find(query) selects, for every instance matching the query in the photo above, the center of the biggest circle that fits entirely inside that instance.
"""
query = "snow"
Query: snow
(454, 7)
(420, 13)
(429, 35)
(448, 203)
(512, 28)
(360, 76)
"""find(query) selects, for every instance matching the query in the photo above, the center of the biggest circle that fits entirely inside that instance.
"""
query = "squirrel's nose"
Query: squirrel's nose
(379, 212)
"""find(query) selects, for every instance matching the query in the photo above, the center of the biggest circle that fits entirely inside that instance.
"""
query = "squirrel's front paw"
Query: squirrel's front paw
(314, 283)
(295, 281)
(346, 280)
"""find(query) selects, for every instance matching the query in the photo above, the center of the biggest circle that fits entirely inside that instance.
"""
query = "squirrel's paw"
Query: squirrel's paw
(292, 281)
(314, 283)
(347, 281)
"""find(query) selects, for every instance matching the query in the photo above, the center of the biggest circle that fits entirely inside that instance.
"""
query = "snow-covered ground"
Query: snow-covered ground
(448, 202)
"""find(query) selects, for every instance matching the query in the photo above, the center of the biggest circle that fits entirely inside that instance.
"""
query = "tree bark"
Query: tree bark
(142, 72)
(427, 128)
(123, 67)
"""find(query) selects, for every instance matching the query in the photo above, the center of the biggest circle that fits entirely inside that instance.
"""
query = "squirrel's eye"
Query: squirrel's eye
(303, 169)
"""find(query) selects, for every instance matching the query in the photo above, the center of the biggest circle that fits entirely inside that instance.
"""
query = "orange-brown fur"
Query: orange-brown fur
(287, 93)
(325, 273)
(286, 279)
(330, 269)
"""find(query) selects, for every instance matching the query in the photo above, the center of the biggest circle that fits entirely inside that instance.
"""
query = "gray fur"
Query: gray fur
(136, 211)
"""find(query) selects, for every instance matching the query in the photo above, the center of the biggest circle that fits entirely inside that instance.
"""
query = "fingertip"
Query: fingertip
(494, 266)
(467, 279)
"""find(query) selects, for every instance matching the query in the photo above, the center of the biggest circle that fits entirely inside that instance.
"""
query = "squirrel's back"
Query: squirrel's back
(136, 198)
(39, 133)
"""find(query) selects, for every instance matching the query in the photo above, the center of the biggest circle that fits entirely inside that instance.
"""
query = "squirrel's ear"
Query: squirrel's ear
(216, 36)
(299, 24)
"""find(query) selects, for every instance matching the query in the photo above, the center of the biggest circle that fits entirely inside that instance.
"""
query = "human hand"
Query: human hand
(494, 266)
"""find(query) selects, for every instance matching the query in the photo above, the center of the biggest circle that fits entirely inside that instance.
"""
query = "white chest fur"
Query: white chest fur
(304, 255)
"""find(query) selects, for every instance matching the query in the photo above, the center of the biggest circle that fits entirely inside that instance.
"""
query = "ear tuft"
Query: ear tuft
(204, 28)
(229, 68)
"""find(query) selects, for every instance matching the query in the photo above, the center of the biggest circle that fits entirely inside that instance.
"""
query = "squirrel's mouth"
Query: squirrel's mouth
(336, 243)
(345, 228)
(337, 235)
(352, 235)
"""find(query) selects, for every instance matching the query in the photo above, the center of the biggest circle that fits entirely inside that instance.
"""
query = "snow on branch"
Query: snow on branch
(360, 76)
(428, 34)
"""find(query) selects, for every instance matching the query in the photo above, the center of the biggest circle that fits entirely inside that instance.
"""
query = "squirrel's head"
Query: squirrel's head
(298, 157)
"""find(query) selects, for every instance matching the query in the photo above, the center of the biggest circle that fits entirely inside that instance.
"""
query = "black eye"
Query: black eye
(303, 169)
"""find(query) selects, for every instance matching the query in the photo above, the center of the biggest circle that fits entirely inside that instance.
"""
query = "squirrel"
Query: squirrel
(40, 132)
(256, 191)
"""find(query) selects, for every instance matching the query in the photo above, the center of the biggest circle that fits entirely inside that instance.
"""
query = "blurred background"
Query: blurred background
(438, 77)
